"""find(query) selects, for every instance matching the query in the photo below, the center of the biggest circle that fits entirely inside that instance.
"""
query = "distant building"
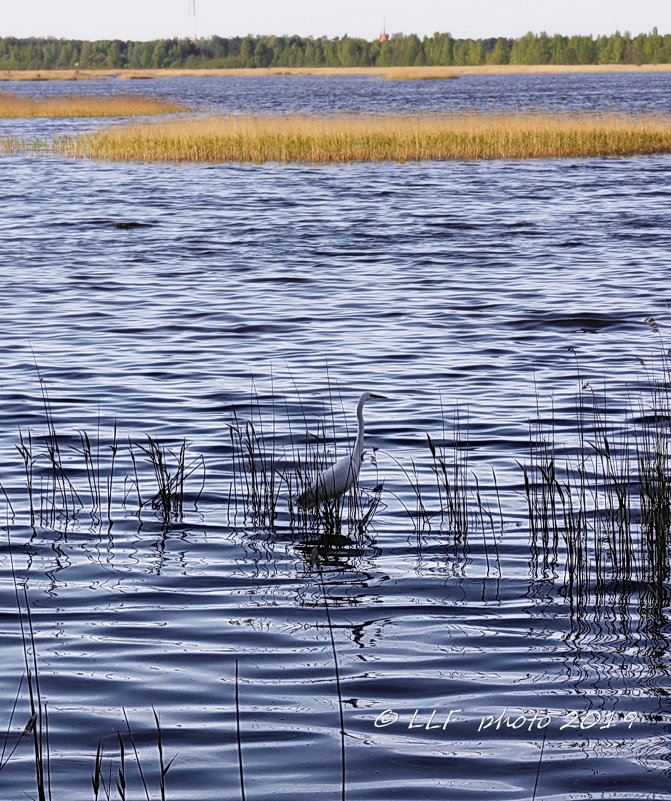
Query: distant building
(384, 37)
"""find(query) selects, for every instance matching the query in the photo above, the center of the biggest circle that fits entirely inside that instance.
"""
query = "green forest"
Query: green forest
(441, 49)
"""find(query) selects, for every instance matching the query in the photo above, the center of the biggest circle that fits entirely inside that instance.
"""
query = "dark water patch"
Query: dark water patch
(579, 322)
(101, 222)
(282, 279)
(127, 226)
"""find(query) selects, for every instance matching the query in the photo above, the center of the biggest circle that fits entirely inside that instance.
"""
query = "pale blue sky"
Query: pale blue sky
(149, 19)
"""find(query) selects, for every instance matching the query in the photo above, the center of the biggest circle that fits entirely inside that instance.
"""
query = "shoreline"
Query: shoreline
(403, 73)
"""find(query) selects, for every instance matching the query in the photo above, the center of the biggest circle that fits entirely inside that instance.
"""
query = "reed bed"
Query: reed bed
(400, 138)
(18, 144)
(419, 74)
(54, 75)
(122, 105)
(480, 69)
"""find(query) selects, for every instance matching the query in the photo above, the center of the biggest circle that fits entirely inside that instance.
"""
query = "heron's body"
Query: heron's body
(343, 475)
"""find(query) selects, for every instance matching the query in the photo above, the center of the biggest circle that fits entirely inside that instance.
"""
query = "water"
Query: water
(643, 92)
(155, 296)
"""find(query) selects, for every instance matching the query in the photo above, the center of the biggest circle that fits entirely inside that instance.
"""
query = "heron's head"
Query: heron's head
(366, 396)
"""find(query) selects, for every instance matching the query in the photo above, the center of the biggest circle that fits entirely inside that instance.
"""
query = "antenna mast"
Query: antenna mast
(192, 19)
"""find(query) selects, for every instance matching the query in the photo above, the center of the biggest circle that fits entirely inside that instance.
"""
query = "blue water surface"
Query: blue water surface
(178, 300)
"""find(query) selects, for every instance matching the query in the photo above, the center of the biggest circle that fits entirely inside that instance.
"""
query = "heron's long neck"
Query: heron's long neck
(358, 445)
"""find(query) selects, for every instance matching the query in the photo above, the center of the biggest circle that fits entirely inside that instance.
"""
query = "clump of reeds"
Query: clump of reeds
(607, 502)
(419, 74)
(654, 463)
(121, 105)
(543, 492)
(343, 138)
(168, 498)
(450, 467)
(93, 474)
(463, 507)
(63, 480)
(257, 475)
(14, 144)
(447, 493)
(350, 513)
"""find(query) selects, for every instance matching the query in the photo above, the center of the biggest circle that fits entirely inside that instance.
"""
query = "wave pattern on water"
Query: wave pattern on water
(154, 295)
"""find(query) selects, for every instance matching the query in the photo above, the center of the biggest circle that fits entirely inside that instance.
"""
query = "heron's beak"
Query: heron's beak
(373, 395)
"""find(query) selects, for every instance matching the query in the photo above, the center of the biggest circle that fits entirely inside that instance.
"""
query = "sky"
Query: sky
(155, 19)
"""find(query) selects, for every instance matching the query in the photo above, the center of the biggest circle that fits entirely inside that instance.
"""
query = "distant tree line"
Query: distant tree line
(441, 49)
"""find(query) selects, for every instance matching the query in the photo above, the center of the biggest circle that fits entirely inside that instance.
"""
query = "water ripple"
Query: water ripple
(156, 295)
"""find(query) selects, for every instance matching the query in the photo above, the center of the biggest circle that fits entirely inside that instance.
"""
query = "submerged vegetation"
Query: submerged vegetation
(248, 138)
(14, 106)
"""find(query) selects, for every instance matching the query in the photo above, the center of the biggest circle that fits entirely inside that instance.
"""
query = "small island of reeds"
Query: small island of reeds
(418, 74)
(345, 138)
(121, 105)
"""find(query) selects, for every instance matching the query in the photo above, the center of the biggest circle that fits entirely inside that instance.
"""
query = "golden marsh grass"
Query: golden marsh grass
(419, 74)
(14, 106)
(483, 69)
(374, 138)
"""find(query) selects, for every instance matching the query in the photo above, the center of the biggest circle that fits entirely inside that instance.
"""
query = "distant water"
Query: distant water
(647, 91)
(163, 296)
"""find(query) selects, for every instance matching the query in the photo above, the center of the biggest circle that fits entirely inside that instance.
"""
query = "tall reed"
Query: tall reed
(257, 473)
(37, 727)
(341, 709)
(450, 467)
(168, 497)
(238, 734)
